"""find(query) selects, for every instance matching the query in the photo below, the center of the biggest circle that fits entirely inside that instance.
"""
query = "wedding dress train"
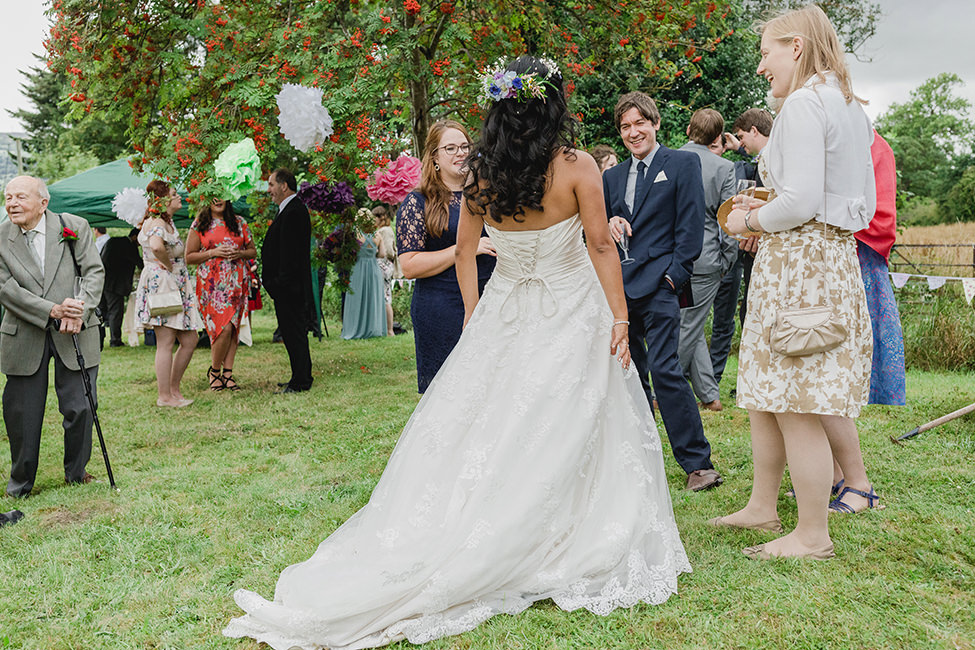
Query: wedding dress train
(530, 469)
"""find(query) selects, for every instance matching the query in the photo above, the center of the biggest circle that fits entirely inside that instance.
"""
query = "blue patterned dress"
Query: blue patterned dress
(887, 377)
(437, 308)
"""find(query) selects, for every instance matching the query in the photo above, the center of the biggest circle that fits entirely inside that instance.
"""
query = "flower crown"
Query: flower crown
(500, 83)
(157, 205)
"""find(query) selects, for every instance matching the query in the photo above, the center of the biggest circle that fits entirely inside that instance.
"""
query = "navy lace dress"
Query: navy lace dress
(437, 309)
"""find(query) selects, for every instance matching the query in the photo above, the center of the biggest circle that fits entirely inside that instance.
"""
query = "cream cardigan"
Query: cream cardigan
(817, 122)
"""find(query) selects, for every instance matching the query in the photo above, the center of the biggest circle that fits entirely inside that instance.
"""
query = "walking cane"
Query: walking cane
(91, 404)
(94, 410)
(81, 359)
(935, 423)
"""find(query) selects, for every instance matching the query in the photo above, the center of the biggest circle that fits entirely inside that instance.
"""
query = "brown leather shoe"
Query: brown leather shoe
(87, 478)
(713, 406)
(703, 479)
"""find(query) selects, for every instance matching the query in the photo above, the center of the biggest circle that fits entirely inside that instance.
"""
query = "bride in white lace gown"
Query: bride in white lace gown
(530, 469)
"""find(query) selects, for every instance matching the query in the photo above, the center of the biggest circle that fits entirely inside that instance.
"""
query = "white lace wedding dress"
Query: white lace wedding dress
(530, 469)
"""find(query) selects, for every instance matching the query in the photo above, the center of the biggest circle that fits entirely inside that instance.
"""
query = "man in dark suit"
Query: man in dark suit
(657, 199)
(37, 277)
(120, 257)
(751, 131)
(286, 262)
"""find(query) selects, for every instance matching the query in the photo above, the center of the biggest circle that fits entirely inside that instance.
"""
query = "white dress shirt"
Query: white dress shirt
(40, 240)
(629, 196)
(285, 202)
(818, 161)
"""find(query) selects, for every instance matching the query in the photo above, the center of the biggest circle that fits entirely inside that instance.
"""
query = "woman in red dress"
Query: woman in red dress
(220, 243)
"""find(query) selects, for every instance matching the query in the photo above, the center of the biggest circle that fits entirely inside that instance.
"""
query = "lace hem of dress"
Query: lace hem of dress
(643, 583)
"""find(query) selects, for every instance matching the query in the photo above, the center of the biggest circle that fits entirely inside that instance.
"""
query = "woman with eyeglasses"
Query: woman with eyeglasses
(220, 243)
(426, 237)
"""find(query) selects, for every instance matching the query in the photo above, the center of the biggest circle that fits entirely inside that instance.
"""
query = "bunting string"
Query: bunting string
(935, 282)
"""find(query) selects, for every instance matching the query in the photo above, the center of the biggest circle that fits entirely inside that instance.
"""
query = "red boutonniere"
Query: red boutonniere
(68, 235)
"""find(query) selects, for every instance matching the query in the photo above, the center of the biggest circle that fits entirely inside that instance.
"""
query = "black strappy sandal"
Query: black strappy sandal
(228, 379)
(217, 381)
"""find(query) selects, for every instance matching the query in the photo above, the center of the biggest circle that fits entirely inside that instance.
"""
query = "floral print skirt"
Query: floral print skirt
(807, 266)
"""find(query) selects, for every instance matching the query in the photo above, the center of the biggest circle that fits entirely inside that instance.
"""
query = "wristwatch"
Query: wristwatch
(748, 224)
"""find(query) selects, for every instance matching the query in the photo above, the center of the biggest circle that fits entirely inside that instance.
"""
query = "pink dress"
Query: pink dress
(222, 285)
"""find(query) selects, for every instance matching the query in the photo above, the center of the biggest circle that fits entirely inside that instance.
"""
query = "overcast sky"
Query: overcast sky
(916, 40)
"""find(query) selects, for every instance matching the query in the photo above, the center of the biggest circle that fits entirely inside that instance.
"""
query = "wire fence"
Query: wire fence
(958, 260)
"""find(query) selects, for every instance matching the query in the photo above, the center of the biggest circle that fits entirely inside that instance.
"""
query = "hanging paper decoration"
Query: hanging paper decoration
(326, 197)
(238, 168)
(936, 282)
(968, 284)
(899, 279)
(396, 180)
(130, 205)
(304, 122)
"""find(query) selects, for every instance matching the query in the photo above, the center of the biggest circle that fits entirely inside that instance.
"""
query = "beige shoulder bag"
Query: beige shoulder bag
(808, 330)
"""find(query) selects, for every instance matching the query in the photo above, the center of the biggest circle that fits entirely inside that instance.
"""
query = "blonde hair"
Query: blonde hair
(821, 50)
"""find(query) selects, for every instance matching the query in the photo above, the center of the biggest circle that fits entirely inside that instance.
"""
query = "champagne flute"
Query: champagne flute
(746, 188)
(625, 246)
(78, 290)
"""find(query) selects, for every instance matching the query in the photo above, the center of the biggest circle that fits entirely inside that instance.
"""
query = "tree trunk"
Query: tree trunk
(419, 96)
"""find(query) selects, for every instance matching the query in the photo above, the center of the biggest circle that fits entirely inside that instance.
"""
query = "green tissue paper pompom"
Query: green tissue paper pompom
(238, 168)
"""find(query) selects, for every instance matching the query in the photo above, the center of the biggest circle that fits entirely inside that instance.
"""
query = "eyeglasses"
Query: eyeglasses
(452, 149)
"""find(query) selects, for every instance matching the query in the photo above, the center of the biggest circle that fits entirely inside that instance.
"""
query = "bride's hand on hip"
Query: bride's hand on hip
(619, 344)
(486, 247)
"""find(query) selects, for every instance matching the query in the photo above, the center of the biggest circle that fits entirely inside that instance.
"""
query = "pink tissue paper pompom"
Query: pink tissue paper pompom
(395, 180)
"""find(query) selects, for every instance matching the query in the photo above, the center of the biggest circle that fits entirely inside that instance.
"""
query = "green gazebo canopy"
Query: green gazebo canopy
(90, 193)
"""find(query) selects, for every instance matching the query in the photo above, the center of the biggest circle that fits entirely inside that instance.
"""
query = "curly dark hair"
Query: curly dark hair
(205, 218)
(509, 163)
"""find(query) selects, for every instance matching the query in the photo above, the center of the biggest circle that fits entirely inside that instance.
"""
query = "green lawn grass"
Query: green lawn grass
(229, 491)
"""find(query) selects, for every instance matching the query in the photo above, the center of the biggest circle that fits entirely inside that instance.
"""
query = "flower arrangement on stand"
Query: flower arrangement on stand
(334, 222)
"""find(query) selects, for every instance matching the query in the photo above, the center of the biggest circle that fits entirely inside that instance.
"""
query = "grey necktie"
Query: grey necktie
(31, 235)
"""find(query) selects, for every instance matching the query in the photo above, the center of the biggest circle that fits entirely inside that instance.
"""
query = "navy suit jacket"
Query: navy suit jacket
(667, 220)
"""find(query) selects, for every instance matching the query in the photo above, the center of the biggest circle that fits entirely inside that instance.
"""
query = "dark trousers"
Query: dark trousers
(723, 321)
(654, 330)
(294, 332)
(113, 308)
(23, 415)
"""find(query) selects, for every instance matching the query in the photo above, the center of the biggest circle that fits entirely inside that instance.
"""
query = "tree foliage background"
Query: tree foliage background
(933, 138)
(175, 81)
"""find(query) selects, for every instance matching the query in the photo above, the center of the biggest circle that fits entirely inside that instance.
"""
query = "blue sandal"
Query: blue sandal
(833, 491)
(837, 505)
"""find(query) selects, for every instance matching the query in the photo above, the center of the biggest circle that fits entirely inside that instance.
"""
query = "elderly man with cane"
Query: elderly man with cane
(41, 253)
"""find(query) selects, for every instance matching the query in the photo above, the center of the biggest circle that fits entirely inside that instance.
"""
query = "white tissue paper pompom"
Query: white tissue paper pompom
(130, 205)
(303, 120)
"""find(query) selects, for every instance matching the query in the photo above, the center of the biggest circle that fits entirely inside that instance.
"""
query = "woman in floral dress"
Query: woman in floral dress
(221, 244)
(165, 269)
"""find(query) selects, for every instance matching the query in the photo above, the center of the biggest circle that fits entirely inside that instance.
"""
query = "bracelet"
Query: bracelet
(748, 224)
(621, 322)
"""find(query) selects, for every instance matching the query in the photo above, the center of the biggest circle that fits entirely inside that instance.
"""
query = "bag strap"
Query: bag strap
(788, 259)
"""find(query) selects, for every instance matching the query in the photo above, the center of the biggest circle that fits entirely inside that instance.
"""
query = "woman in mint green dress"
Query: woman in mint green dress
(364, 315)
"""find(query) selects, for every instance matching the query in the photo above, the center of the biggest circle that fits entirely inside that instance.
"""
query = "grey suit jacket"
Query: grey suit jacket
(719, 250)
(28, 300)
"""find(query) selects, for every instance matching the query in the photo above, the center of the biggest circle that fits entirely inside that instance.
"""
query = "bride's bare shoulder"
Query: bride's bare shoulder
(569, 158)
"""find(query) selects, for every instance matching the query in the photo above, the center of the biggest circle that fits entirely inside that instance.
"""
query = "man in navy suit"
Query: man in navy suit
(657, 198)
